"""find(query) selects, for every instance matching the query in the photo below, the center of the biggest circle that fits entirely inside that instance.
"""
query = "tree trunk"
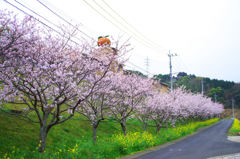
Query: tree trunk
(94, 134)
(158, 128)
(42, 138)
(167, 125)
(43, 133)
(123, 125)
(144, 126)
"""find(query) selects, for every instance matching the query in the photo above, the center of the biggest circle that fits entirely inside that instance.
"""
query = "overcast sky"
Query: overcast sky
(204, 33)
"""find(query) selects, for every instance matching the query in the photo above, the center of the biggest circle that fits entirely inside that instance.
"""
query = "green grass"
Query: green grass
(235, 129)
(72, 139)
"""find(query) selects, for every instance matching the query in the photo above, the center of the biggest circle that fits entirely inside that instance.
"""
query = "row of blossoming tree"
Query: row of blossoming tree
(53, 79)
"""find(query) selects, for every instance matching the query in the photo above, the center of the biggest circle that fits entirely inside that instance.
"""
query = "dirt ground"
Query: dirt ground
(228, 113)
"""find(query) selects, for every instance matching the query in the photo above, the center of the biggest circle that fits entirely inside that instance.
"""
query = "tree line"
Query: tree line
(52, 79)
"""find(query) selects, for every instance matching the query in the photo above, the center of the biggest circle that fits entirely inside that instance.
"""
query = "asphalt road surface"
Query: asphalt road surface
(208, 143)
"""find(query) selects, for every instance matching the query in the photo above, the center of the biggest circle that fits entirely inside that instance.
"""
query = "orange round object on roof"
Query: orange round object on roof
(103, 40)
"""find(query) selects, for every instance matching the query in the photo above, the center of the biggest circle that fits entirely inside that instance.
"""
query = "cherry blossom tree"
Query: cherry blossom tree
(144, 114)
(51, 79)
(158, 104)
(95, 108)
(179, 105)
(14, 34)
(128, 92)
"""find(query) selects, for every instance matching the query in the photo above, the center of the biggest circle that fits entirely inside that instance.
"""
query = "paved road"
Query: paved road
(208, 143)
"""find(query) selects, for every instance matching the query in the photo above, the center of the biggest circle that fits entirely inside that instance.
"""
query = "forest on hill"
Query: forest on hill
(225, 91)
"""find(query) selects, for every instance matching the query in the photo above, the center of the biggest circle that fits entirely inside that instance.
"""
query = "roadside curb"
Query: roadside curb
(156, 148)
(234, 138)
(231, 156)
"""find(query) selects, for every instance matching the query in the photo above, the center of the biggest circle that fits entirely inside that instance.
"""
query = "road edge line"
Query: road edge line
(159, 147)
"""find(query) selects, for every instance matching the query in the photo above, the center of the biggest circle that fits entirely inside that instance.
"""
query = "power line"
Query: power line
(39, 21)
(128, 23)
(40, 16)
(69, 22)
(63, 19)
(69, 18)
(136, 68)
(113, 23)
(148, 45)
(92, 8)
(140, 68)
(121, 23)
(54, 25)
(181, 66)
(139, 34)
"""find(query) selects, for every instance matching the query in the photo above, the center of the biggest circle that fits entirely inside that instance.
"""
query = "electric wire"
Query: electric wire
(58, 27)
(145, 41)
(71, 24)
(178, 65)
(69, 18)
(134, 28)
(140, 68)
(39, 21)
(59, 16)
(113, 23)
(41, 16)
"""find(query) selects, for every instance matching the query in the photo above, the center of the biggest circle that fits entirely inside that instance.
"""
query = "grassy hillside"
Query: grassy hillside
(22, 134)
(72, 139)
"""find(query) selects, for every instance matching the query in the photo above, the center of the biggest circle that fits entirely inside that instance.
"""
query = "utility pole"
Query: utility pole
(233, 108)
(202, 86)
(170, 65)
(215, 97)
(147, 66)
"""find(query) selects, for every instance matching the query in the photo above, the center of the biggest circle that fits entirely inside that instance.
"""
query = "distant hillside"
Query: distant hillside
(224, 90)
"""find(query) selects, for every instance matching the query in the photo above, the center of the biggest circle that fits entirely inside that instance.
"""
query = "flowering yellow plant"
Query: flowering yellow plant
(235, 127)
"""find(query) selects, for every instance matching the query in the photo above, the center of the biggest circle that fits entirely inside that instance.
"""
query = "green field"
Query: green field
(72, 139)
